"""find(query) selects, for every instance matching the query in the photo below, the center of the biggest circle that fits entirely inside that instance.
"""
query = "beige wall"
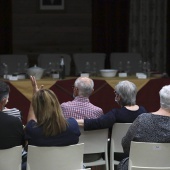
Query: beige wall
(38, 31)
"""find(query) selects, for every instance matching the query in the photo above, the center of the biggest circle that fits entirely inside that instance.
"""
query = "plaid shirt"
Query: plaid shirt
(81, 108)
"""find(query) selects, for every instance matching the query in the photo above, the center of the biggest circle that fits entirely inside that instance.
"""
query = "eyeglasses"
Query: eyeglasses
(116, 93)
(74, 87)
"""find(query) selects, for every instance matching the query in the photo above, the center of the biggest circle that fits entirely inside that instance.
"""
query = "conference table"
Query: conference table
(103, 95)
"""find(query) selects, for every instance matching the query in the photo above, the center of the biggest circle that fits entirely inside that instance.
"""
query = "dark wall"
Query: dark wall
(5, 27)
(168, 39)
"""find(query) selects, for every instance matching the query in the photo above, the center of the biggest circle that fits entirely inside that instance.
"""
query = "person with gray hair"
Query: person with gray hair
(149, 127)
(125, 96)
(127, 90)
(165, 97)
(85, 86)
(80, 107)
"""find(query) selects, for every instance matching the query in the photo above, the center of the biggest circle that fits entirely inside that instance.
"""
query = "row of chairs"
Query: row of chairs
(43, 158)
(79, 60)
(143, 156)
(70, 157)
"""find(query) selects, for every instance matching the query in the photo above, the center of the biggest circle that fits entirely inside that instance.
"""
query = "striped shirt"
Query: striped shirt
(81, 108)
(13, 112)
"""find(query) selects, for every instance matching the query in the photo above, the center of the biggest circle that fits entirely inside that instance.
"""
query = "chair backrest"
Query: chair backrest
(52, 158)
(95, 141)
(10, 159)
(149, 156)
(15, 62)
(80, 60)
(118, 132)
(54, 58)
(134, 59)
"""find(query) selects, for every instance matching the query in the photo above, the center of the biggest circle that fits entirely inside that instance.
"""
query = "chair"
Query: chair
(95, 141)
(80, 60)
(52, 158)
(118, 132)
(134, 59)
(17, 63)
(54, 59)
(10, 159)
(149, 156)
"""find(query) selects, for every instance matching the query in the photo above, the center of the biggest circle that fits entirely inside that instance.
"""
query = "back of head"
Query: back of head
(85, 86)
(4, 90)
(165, 97)
(127, 90)
(48, 112)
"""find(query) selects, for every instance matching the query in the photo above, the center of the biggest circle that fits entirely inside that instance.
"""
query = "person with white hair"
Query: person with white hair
(149, 127)
(81, 107)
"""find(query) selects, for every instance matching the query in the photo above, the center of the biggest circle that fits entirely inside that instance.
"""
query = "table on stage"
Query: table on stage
(103, 95)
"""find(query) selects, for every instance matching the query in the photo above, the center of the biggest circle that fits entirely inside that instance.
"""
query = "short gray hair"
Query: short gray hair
(164, 94)
(127, 90)
(85, 86)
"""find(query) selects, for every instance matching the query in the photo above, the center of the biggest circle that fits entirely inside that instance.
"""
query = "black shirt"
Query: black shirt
(11, 131)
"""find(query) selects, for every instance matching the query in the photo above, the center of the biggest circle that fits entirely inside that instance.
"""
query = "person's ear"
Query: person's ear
(93, 90)
(4, 101)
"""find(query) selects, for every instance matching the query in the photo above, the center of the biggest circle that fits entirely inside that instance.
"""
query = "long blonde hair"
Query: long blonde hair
(48, 112)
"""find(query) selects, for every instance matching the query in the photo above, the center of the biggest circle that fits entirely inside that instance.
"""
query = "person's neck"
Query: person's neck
(132, 107)
(163, 112)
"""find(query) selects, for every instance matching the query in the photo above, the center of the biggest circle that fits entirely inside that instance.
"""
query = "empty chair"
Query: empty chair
(54, 157)
(17, 63)
(96, 60)
(10, 159)
(149, 156)
(44, 61)
(133, 58)
(118, 132)
(95, 141)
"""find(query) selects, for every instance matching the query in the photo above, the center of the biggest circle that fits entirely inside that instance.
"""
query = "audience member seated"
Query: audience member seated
(11, 128)
(46, 124)
(125, 92)
(149, 127)
(80, 107)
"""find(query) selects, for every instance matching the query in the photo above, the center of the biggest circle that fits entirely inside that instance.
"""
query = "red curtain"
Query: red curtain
(110, 23)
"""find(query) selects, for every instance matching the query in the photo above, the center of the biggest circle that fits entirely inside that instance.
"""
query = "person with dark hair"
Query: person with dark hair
(11, 128)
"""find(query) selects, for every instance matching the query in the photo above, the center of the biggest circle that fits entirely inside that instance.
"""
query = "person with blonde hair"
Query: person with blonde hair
(46, 124)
